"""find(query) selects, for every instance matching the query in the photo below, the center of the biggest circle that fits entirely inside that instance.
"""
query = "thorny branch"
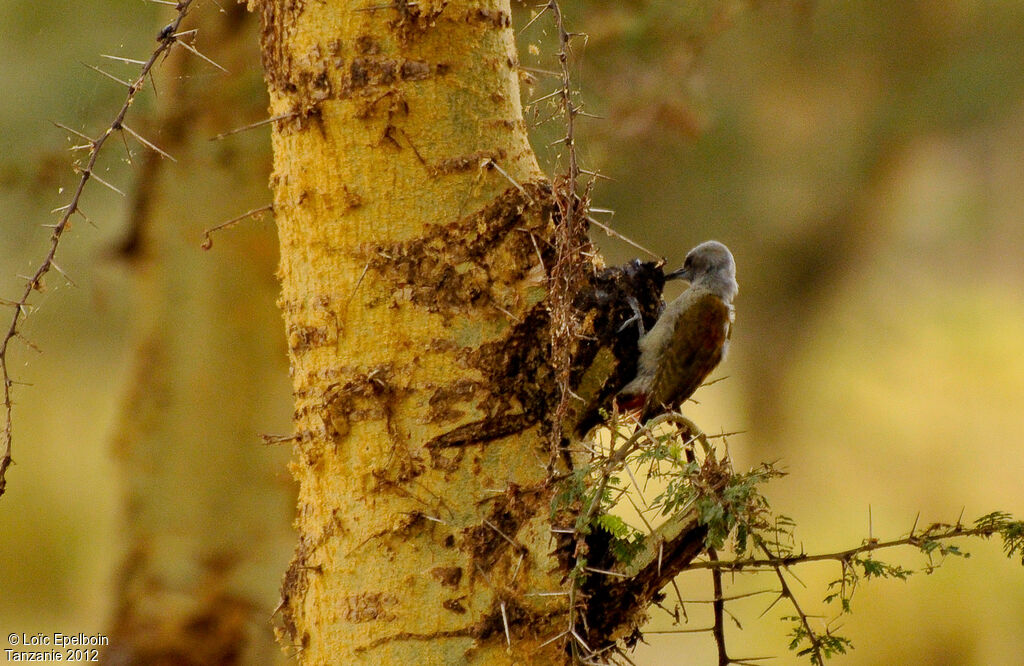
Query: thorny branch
(819, 645)
(936, 533)
(566, 278)
(571, 241)
(167, 38)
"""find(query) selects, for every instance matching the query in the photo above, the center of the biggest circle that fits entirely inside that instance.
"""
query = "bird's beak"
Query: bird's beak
(681, 274)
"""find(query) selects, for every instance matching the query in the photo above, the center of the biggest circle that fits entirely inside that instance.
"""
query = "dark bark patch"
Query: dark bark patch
(369, 71)
(496, 534)
(448, 267)
(507, 610)
(368, 607)
(296, 580)
(363, 397)
(277, 19)
(413, 20)
(448, 576)
(415, 70)
(367, 45)
(302, 338)
(493, 18)
(441, 405)
(481, 432)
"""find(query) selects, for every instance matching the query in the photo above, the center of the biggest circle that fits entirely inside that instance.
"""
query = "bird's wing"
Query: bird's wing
(691, 353)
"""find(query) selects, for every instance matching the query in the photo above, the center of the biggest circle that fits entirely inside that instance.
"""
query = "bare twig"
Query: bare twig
(718, 607)
(255, 212)
(258, 123)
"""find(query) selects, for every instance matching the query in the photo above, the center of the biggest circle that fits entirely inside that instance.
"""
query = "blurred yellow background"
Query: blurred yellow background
(863, 160)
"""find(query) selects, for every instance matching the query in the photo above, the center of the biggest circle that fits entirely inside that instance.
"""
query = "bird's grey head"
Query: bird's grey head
(710, 266)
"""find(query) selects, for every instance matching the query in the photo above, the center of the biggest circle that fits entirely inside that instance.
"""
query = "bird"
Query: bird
(689, 338)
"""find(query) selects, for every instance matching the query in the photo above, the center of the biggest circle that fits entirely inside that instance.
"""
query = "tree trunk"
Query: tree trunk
(413, 222)
(207, 508)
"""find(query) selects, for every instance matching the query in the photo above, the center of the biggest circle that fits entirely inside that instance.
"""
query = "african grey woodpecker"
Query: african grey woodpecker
(689, 338)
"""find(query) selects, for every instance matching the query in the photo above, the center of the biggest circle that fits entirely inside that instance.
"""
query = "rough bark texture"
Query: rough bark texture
(207, 507)
(412, 278)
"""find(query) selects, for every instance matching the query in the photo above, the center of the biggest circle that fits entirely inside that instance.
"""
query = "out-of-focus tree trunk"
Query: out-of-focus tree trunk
(207, 507)
(413, 220)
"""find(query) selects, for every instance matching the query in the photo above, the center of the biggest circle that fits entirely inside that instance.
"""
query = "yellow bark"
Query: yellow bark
(413, 220)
